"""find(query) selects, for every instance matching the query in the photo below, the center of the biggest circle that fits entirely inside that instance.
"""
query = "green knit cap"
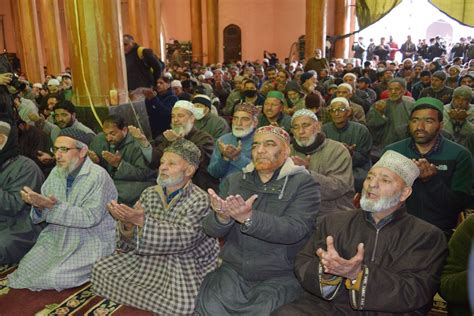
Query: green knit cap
(276, 94)
(432, 103)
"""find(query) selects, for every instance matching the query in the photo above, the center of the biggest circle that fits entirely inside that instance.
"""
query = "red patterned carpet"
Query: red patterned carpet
(76, 301)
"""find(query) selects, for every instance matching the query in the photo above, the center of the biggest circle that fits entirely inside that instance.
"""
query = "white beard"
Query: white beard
(170, 181)
(381, 205)
(183, 130)
(241, 133)
(306, 143)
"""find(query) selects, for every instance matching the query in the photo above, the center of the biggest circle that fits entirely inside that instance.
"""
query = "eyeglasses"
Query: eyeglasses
(341, 110)
(62, 149)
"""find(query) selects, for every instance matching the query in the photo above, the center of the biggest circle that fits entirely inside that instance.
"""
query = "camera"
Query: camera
(6, 66)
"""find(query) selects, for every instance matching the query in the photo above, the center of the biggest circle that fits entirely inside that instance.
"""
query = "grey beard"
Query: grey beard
(306, 143)
(381, 205)
(183, 130)
(241, 133)
(170, 181)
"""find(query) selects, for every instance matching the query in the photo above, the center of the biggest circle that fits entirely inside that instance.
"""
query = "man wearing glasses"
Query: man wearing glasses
(353, 135)
(79, 228)
(328, 161)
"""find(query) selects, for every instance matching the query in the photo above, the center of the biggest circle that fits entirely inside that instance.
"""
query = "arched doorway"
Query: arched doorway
(232, 44)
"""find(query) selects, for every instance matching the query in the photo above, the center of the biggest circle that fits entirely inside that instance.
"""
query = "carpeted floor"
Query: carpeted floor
(76, 301)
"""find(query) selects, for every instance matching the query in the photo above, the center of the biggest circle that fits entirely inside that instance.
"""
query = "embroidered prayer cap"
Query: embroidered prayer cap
(186, 150)
(401, 165)
(37, 85)
(275, 130)
(341, 100)
(77, 134)
(202, 99)
(5, 128)
(464, 92)
(429, 102)
(304, 112)
(247, 107)
(184, 105)
(400, 81)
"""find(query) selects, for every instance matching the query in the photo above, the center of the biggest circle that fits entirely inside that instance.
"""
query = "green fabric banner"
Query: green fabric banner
(460, 10)
(370, 11)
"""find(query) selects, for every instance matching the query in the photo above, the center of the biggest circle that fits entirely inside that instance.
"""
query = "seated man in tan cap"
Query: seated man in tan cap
(378, 259)
(265, 213)
(163, 253)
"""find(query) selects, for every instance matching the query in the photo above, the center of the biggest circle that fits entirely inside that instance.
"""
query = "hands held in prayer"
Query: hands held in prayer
(351, 148)
(112, 159)
(427, 170)
(5, 78)
(458, 115)
(230, 152)
(380, 106)
(126, 214)
(93, 156)
(234, 206)
(37, 200)
(297, 160)
(171, 135)
(45, 158)
(138, 135)
(336, 265)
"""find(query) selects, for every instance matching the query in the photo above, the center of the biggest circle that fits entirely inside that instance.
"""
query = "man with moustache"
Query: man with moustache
(328, 161)
(265, 213)
(376, 260)
(80, 230)
(233, 150)
(64, 116)
(446, 168)
(388, 119)
(273, 112)
(151, 270)
(182, 126)
(119, 153)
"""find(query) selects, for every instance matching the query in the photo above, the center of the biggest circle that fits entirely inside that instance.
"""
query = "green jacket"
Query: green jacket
(454, 288)
(133, 175)
(212, 124)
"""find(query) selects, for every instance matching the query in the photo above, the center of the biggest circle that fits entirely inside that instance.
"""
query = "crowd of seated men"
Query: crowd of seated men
(325, 187)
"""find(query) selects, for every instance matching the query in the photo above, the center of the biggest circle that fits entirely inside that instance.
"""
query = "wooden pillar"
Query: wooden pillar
(315, 37)
(154, 25)
(352, 24)
(137, 20)
(26, 23)
(196, 30)
(52, 37)
(340, 27)
(96, 50)
(212, 31)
